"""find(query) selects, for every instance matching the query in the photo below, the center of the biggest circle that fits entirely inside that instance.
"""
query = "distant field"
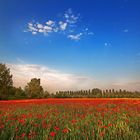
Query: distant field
(70, 119)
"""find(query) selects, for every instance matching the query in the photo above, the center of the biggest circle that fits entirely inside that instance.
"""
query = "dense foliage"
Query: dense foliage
(97, 93)
(6, 82)
(34, 89)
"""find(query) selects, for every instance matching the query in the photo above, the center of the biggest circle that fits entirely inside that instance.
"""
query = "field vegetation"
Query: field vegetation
(70, 119)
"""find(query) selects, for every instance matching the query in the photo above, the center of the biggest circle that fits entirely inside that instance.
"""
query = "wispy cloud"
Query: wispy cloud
(52, 80)
(128, 85)
(75, 37)
(63, 25)
(125, 30)
(50, 23)
(66, 25)
(70, 17)
(107, 44)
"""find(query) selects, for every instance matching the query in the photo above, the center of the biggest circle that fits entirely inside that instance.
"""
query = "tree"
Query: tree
(34, 89)
(6, 81)
(19, 93)
(96, 91)
(46, 94)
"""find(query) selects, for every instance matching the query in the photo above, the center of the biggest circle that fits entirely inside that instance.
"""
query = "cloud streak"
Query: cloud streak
(51, 79)
(54, 80)
(128, 85)
(75, 37)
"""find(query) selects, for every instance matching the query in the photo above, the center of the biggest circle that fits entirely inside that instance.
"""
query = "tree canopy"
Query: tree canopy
(6, 81)
(34, 89)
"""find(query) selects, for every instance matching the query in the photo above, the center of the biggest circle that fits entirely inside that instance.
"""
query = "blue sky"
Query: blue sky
(96, 40)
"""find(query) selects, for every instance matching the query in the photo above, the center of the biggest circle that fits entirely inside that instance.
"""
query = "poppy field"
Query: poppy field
(70, 119)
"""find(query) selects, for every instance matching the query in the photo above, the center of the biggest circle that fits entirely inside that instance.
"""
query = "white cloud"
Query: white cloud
(51, 79)
(66, 16)
(56, 30)
(107, 44)
(70, 17)
(30, 24)
(34, 33)
(48, 29)
(41, 30)
(50, 22)
(75, 37)
(90, 33)
(40, 26)
(63, 25)
(68, 23)
(32, 28)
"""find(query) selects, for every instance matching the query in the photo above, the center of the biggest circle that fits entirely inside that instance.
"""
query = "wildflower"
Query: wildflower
(23, 135)
(109, 124)
(102, 134)
(39, 116)
(29, 137)
(52, 134)
(100, 122)
(56, 128)
(65, 130)
(105, 127)
(44, 125)
(16, 129)
(2, 126)
(73, 121)
(127, 121)
(22, 120)
(17, 136)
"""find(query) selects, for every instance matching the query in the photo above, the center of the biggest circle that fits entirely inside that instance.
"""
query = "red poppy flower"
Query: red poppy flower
(65, 130)
(56, 128)
(52, 134)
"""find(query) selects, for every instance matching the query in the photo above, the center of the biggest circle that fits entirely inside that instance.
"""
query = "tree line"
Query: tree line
(33, 89)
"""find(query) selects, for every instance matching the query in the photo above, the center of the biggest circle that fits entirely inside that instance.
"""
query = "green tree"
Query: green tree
(46, 94)
(6, 82)
(19, 93)
(96, 91)
(34, 89)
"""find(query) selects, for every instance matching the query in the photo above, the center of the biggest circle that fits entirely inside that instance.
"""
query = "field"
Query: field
(70, 119)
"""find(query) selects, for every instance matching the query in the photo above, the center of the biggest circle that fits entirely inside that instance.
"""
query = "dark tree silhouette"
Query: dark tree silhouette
(34, 89)
(6, 81)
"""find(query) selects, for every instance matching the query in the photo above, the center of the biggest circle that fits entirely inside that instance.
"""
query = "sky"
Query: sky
(72, 44)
